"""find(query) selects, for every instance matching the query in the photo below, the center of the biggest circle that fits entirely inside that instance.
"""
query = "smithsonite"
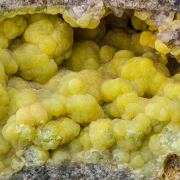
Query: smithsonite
(86, 95)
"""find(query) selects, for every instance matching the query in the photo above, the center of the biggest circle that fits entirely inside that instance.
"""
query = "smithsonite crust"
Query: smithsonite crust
(124, 111)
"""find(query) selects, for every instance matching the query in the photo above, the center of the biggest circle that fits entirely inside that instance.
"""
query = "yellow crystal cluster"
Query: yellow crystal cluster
(108, 94)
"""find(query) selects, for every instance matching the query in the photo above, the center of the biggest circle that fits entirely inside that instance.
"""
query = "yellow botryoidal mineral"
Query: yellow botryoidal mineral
(86, 94)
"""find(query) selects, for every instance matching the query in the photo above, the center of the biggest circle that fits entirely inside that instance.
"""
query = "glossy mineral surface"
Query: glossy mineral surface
(87, 94)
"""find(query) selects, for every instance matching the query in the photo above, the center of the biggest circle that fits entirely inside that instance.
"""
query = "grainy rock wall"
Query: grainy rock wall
(160, 5)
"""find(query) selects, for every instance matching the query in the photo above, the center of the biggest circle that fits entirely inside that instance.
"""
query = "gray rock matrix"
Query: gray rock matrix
(160, 5)
(74, 172)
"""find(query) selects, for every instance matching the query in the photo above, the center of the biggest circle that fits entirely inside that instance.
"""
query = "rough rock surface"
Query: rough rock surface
(160, 5)
(74, 172)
